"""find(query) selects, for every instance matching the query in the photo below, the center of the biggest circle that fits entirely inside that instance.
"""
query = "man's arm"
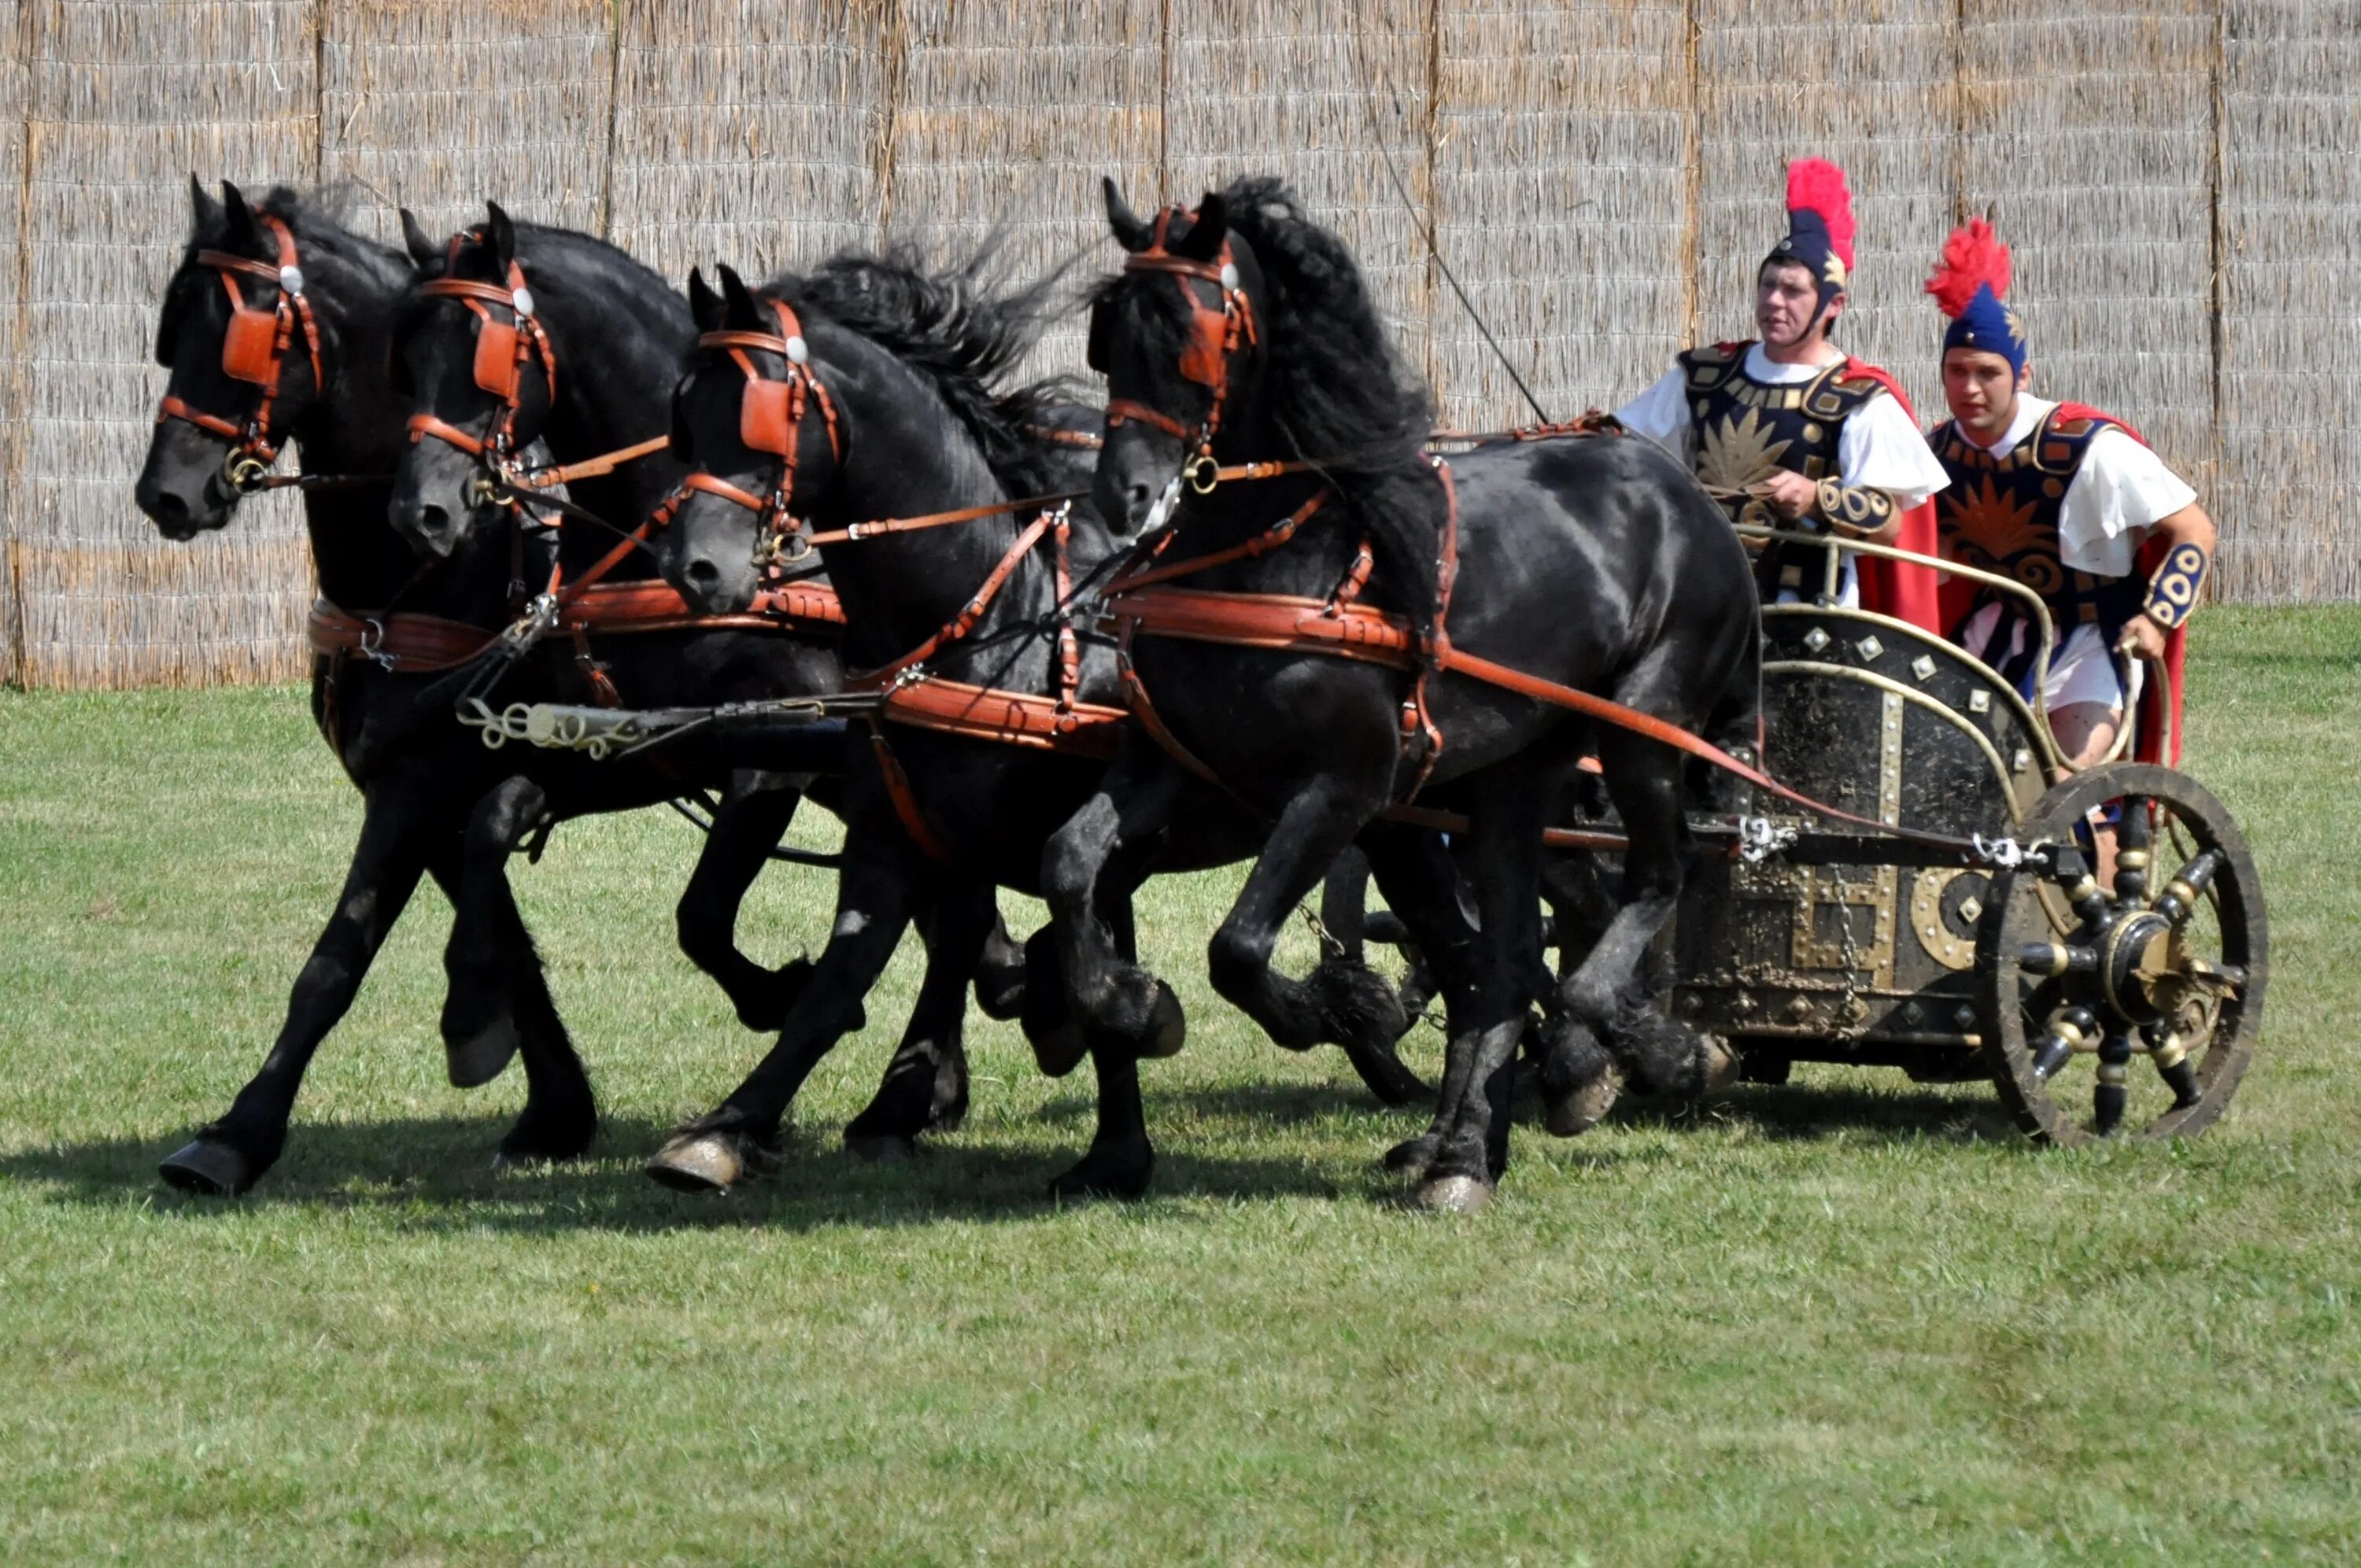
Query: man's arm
(2189, 538)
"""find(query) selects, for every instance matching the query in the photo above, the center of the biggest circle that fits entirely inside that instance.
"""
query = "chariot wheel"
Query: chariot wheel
(2130, 1009)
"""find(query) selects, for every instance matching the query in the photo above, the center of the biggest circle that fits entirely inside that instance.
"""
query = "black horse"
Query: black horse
(607, 323)
(907, 364)
(1243, 332)
(421, 774)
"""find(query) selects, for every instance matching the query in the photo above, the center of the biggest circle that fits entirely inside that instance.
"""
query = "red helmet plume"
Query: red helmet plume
(1973, 258)
(1816, 185)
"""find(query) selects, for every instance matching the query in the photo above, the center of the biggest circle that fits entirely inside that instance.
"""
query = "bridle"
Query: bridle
(503, 348)
(770, 420)
(254, 350)
(1216, 331)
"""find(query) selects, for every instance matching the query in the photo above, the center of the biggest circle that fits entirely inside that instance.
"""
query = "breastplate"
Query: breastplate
(2001, 512)
(1747, 429)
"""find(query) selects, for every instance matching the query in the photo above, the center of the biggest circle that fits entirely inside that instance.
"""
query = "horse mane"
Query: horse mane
(958, 326)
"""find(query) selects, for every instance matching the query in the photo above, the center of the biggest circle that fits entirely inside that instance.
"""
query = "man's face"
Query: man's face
(1788, 304)
(1981, 389)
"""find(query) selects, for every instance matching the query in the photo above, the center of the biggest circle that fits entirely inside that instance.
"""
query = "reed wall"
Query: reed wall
(2181, 180)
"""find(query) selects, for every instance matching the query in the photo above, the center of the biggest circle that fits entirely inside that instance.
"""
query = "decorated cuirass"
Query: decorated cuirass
(1745, 431)
(2001, 513)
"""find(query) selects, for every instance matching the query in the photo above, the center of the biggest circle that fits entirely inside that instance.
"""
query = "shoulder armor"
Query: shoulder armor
(1838, 396)
(1708, 367)
(2059, 444)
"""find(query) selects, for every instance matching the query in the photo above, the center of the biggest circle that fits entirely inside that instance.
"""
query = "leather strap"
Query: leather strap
(1010, 718)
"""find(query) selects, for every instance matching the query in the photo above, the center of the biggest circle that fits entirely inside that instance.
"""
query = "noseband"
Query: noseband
(503, 348)
(254, 350)
(1215, 333)
(770, 420)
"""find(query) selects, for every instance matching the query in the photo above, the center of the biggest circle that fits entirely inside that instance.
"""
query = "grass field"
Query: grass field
(1847, 1320)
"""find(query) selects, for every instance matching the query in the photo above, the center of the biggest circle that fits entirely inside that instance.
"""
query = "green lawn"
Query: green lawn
(1846, 1321)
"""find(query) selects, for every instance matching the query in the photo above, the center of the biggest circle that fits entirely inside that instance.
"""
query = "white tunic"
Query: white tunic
(1880, 447)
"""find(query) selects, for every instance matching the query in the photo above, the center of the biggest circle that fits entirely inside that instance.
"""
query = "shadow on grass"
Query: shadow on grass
(1808, 1112)
(436, 1174)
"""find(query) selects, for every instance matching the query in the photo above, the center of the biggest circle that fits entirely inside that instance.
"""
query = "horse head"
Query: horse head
(1176, 334)
(248, 357)
(754, 419)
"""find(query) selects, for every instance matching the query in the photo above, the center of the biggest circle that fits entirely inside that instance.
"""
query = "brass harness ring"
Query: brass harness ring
(1202, 473)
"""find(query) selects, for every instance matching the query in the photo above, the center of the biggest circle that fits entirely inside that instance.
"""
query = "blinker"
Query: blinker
(496, 359)
(250, 346)
(766, 421)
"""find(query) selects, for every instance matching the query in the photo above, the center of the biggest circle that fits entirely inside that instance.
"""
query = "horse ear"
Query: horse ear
(1203, 240)
(242, 229)
(704, 306)
(204, 213)
(1131, 231)
(740, 310)
(425, 253)
(499, 234)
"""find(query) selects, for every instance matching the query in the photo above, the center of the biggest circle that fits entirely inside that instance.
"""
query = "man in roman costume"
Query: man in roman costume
(2072, 503)
(1791, 432)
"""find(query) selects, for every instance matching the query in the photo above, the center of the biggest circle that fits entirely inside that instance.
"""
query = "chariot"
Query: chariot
(2102, 994)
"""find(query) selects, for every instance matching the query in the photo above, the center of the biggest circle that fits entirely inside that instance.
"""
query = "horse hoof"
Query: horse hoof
(1412, 1155)
(881, 1148)
(1060, 1050)
(1721, 1063)
(482, 1056)
(1575, 1114)
(1100, 1175)
(1167, 1027)
(699, 1162)
(208, 1169)
(1453, 1195)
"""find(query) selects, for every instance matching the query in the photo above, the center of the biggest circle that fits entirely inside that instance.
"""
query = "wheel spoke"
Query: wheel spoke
(2179, 901)
(2072, 1028)
(2135, 838)
(2173, 1064)
(2107, 1099)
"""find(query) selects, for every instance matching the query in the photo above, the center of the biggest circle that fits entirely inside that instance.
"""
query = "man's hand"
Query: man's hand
(1788, 493)
(2142, 639)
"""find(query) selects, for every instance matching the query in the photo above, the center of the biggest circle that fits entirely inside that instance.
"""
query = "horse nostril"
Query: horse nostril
(435, 527)
(1138, 497)
(704, 573)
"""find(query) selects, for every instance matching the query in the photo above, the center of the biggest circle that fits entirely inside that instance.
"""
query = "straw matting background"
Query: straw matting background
(2182, 180)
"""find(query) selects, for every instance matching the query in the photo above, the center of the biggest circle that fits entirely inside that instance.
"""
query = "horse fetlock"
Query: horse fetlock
(1660, 1055)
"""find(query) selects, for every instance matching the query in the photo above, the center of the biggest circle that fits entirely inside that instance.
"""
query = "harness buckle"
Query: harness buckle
(1202, 473)
(372, 646)
(787, 546)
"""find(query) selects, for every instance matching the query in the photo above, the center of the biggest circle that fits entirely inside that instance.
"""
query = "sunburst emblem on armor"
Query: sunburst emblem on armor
(1739, 451)
(1987, 519)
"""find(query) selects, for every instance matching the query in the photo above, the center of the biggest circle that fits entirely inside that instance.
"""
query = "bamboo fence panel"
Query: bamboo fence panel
(1561, 202)
(2088, 131)
(2290, 226)
(122, 99)
(750, 133)
(1280, 87)
(438, 107)
(13, 391)
(1868, 84)
(1007, 114)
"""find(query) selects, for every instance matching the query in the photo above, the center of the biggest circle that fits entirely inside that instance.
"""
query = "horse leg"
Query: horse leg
(1472, 1151)
(1109, 999)
(925, 1088)
(1415, 870)
(1000, 973)
(1604, 1000)
(491, 951)
(1120, 1159)
(479, 1026)
(1349, 1005)
(876, 893)
(747, 826)
(228, 1156)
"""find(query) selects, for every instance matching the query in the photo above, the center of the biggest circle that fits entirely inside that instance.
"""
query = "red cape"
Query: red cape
(1901, 590)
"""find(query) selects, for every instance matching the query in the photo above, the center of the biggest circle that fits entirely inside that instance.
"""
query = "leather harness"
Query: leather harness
(254, 350)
